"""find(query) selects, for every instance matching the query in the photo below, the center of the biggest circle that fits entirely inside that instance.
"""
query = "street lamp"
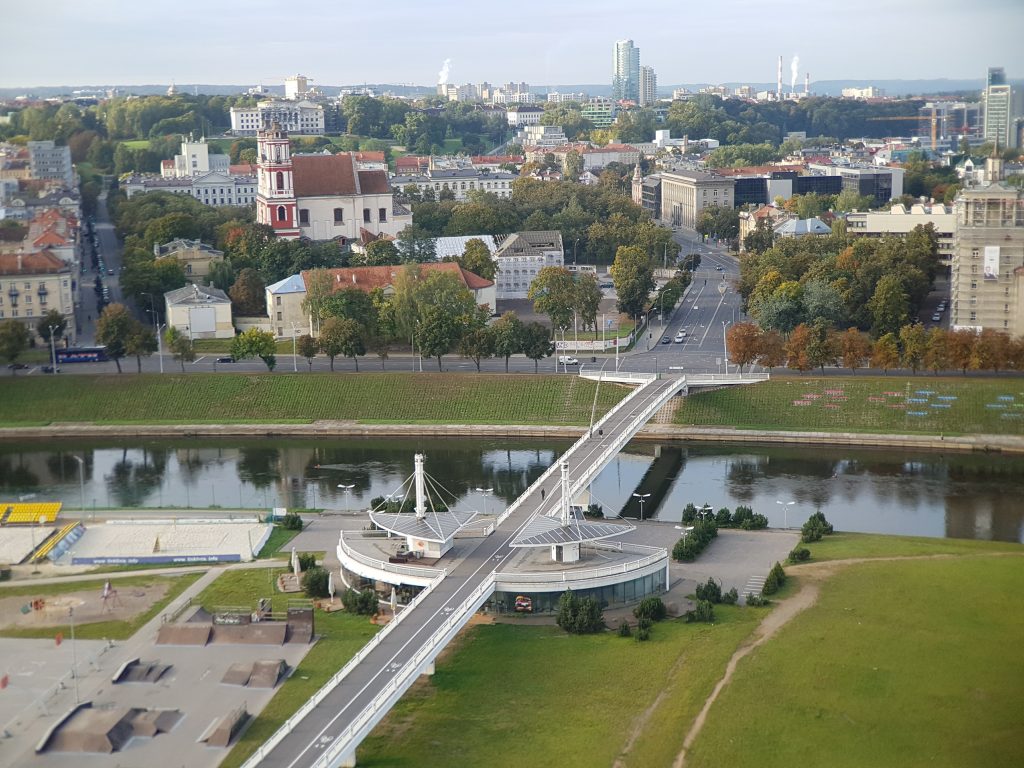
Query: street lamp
(53, 349)
(704, 512)
(725, 345)
(295, 358)
(485, 492)
(347, 489)
(785, 508)
(642, 497)
(81, 480)
(160, 345)
(574, 247)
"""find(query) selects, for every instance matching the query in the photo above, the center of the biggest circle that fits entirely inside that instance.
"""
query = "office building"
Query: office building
(626, 71)
(648, 86)
(684, 194)
(1002, 106)
(599, 111)
(49, 161)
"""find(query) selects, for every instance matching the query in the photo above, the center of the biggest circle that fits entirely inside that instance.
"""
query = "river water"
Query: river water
(898, 492)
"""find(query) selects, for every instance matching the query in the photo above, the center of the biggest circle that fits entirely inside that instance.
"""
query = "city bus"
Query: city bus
(82, 355)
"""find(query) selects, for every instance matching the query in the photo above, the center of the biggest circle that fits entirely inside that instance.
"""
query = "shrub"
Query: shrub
(362, 603)
(755, 522)
(704, 611)
(291, 522)
(815, 527)
(693, 543)
(689, 513)
(314, 582)
(799, 555)
(756, 600)
(731, 597)
(723, 518)
(307, 560)
(651, 609)
(643, 633)
(579, 616)
(776, 578)
(741, 516)
(711, 591)
(593, 510)
(624, 630)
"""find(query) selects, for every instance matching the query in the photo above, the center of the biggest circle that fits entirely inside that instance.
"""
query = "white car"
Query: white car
(566, 360)
(680, 337)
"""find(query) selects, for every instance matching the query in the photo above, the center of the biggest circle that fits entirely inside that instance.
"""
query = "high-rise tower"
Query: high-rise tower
(648, 86)
(1001, 107)
(626, 71)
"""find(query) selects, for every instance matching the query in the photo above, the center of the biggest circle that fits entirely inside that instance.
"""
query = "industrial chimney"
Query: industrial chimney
(807, 83)
(778, 92)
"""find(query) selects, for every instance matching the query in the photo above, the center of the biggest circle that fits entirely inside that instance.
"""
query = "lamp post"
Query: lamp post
(785, 508)
(53, 348)
(347, 489)
(74, 653)
(574, 247)
(81, 480)
(160, 346)
(485, 492)
(704, 511)
(642, 497)
(295, 357)
(725, 345)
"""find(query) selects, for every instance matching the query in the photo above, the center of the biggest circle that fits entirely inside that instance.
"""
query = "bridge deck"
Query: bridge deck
(311, 739)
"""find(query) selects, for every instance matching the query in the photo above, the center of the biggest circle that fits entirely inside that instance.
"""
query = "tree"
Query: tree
(936, 351)
(477, 345)
(416, 245)
(536, 343)
(438, 331)
(588, 299)
(772, 350)
(633, 277)
(255, 343)
(797, 348)
(319, 287)
(378, 253)
(579, 616)
(478, 260)
(961, 348)
(180, 346)
(351, 337)
(913, 340)
(885, 353)
(315, 582)
(52, 319)
(507, 331)
(889, 306)
(822, 347)
(553, 293)
(854, 348)
(248, 294)
(142, 342)
(307, 347)
(991, 351)
(13, 341)
(761, 239)
(114, 328)
(335, 336)
(743, 341)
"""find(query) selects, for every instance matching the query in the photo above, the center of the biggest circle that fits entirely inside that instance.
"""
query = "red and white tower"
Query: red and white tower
(275, 195)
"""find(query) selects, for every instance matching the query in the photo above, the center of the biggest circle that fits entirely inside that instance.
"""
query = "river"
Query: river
(897, 492)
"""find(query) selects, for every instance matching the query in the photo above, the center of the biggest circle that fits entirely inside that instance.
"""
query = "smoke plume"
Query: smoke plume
(442, 76)
(793, 69)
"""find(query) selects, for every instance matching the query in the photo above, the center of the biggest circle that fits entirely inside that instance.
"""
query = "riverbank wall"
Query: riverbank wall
(1010, 444)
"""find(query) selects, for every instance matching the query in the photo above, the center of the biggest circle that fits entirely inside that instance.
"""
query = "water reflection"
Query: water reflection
(882, 491)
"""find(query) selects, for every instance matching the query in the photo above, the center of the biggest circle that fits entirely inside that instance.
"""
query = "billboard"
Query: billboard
(991, 265)
(202, 320)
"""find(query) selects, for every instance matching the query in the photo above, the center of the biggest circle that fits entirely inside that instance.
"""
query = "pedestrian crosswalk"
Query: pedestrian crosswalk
(753, 587)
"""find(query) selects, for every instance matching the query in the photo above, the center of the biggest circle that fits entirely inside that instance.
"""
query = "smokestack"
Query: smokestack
(778, 92)
(807, 83)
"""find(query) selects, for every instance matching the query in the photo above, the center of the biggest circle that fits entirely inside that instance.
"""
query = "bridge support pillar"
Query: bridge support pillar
(428, 670)
(347, 759)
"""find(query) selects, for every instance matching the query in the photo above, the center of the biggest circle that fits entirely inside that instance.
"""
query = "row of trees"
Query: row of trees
(875, 285)
(912, 347)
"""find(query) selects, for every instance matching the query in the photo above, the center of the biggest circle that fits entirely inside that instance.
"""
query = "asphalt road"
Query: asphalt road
(315, 733)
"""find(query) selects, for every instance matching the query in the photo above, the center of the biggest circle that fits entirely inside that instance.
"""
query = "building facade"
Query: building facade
(684, 194)
(521, 256)
(458, 181)
(648, 86)
(32, 284)
(1000, 109)
(302, 118)
(199, 313)
(196, 257)
(599, 111)
(195, 159)
(625, 71)
(987, 277)
(524, 115)
(49, 161)
(211, 188)
(899, 221)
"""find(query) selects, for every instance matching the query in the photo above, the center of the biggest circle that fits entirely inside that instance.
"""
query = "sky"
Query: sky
(339, 42)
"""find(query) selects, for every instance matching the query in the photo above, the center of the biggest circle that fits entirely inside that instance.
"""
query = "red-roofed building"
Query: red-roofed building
(371, 161)
(32, 284)
(322, 197)
(409, 164)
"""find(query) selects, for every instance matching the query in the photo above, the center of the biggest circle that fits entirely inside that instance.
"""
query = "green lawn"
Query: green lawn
(113, 630)
(136, 143)
(533, 696)
(393, 397)
(204, 346)
(279, 537)
(842, 546)
(341, 635)
(910, 663)
(879, 404)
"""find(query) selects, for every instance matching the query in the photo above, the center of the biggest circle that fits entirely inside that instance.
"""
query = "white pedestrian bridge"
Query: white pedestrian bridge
(505, 560)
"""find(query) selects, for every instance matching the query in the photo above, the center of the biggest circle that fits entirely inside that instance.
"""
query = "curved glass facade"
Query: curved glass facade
(613, 594)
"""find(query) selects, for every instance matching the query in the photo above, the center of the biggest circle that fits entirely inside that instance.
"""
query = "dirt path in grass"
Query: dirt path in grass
(782, 615)
(641, 721)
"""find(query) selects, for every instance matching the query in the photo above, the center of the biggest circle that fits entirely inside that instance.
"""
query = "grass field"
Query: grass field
(392, 397)
(909, 663)
(880, 404)
(341, 636)
(842, 546)
(534, 696)
(113, 630)
(279, 537)
(203, 346)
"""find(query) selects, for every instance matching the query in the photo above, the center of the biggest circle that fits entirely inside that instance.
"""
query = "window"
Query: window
(382, 214)
(280, 331)
(280, 180)
(339, 216)
(366, 216)
(188, 269)
(279, 318)
(303, 216)
(280, 213)
(277, 300)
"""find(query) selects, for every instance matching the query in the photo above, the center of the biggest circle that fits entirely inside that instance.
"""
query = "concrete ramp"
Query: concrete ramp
(109, 730)
(136, 671)
(267, 672)
(261, 633)
(300, 625)
(183, 634)
(221, 732)
(237, 674)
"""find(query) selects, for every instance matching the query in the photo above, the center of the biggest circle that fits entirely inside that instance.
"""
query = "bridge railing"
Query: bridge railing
(366, 719)
(257, 757)
(655, 555)
(384, 565)
(575, 446)
(699, 377)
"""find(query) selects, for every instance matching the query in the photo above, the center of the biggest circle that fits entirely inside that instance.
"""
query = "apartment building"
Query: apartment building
(684, 194)
(49, 161)
(32, 284)
(899, 221)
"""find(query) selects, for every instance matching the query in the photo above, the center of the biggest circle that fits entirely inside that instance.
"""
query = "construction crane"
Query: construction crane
(934, 120)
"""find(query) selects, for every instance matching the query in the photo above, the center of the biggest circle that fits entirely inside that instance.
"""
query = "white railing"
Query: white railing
(697, 378)
(516, 577)
(257, 757)
(383, 565)
(618, 376)
(403, 680)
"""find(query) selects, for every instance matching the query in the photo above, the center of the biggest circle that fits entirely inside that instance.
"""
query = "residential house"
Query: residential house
(32, 284)
(199, 312)
(195, 257)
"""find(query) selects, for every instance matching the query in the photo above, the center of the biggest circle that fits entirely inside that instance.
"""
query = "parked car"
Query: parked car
(666, 340)
(225, 359)
(17, 366)
(50, 369)
(110, 271)
(607, 285)
(567, 360)
(936, 317)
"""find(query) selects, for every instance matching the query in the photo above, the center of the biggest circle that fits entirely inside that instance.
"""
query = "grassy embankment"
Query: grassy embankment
(113, 630)
(878, 404)
(871, 661)
(341, 636)
(275, 398)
